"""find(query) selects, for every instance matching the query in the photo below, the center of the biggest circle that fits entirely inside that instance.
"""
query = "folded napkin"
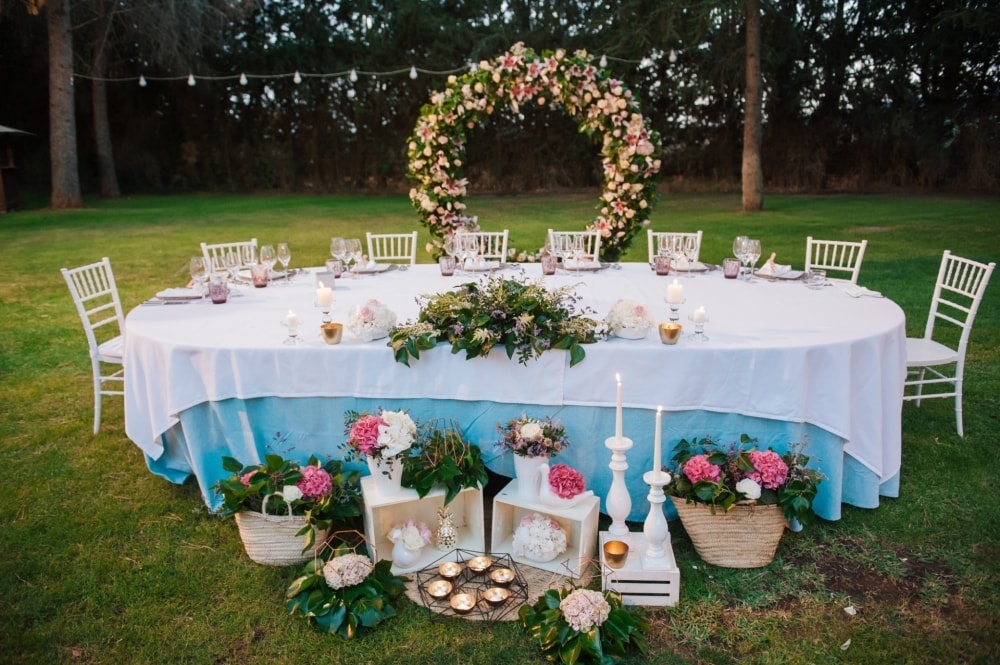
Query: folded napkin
(772, 269)
(854, 290)
(580, 264)
(478, 263)
(180, 293)
(680, 263)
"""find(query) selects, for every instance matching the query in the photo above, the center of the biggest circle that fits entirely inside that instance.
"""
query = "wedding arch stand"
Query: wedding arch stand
(650, 575)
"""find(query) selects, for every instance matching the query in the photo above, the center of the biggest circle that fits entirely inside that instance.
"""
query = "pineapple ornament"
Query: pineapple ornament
(446, 536)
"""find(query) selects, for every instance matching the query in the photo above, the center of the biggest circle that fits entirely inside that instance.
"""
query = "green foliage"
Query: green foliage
(520, 316)
(442, 458)
(606, 643)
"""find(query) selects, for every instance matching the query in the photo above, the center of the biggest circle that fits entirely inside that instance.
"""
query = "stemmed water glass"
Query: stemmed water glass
(233, 265)
(268, 257)
(690, 248)
(338, 249)
(353, 249)
(284, 258)
(753, 255)
(198, 270)
(740, 249)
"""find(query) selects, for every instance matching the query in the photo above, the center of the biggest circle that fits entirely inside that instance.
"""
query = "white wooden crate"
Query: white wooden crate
(382, 513)
(637, 585)
(579, 523)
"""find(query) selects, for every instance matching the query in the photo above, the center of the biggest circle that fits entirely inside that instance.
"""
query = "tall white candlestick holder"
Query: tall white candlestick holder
(659, 553)
(618, 503)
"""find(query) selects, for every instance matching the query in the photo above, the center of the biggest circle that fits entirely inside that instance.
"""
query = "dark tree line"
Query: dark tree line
(856, 95)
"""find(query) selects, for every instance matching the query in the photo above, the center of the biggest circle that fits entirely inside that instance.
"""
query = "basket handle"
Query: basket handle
(263, 505)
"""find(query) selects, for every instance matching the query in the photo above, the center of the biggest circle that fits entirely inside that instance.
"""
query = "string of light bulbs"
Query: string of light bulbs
(297, 76)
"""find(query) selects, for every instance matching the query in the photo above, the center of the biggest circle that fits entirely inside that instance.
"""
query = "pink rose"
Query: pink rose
(698, 468)
(364, 434)
(771, 469)
(565, 481)
(315, 482)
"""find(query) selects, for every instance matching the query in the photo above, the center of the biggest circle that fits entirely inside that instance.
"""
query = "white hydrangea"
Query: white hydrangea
(347, 570)
(397, 435)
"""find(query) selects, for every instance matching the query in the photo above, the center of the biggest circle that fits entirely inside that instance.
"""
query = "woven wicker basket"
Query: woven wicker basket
(271, 540)
(745, 537)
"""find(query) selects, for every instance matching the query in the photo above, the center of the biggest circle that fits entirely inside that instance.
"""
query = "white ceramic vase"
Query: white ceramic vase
(403, 557)
(526, 469)
(388, 474)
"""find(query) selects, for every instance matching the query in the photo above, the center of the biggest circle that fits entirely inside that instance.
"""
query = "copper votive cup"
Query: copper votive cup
(670, 332)
(615, 553)
(332, 332)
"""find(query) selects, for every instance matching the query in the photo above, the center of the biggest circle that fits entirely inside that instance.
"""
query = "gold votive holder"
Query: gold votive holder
(670, 332)
(463, 603)
(332, 332)
(502, 576)
(479, 564)
(439, 589)
(450, 570)
(615, 553)
(496, 595)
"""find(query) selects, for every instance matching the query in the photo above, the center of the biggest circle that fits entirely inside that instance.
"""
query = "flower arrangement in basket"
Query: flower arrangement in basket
(580, 625)
(443, 458)
(520, 316)
(629, 319)
(530, 437)
(344, 593)
(539, 538)
(371, 321)
(281, 506)
(734, 501)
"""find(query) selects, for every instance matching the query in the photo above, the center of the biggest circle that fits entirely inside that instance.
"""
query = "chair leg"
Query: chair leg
(97, 397)
(920, 385)
(958, 408)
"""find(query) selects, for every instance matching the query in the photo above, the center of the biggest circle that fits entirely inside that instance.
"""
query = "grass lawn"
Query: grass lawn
(102, 562)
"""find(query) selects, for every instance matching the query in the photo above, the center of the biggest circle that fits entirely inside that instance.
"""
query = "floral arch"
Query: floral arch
(601, 105)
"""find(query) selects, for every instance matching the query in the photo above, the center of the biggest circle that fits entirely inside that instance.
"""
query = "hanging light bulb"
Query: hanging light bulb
(297, 78)
(673, 56)
(604, 61)
(142, 81)
(413, 72)
(191, 80)
(351, 93)
(243, 79)
(353, 76)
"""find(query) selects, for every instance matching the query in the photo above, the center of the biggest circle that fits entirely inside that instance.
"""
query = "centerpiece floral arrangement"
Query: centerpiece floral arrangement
(520, 316)
(443, 458)
(324, 494)
(603, 107)
(573, 625)
(705, 472)
(529, 437)
(539, 538)
(370, 321)
(383, 436)
(627, 315)
(344, 593)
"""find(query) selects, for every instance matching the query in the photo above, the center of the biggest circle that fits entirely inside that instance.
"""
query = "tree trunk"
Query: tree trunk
(102, 128)
(62, 116)
(753, 177)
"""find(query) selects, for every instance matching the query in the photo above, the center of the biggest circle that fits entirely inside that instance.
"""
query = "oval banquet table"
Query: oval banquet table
(783, 363)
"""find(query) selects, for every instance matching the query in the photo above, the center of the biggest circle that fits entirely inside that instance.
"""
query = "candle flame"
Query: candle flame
(321, 284)
(618, 377)
(659, 409)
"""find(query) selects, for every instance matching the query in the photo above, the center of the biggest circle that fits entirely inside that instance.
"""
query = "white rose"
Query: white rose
(531, 431)
(291, 493)
(748, 488)
(412, 539)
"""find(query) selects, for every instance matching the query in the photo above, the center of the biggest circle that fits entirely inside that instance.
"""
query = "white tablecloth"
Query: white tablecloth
(776, 350)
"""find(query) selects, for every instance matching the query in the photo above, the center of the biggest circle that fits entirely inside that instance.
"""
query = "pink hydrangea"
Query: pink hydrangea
(698, 468)
(364, 434)
(315, 482)
(566, 481)
(247, 477)
(771, 471)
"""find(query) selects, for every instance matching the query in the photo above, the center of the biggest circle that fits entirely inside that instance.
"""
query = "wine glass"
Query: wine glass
(353, 249)
(284, 258)
(233, 265)
(449, 245)
(338, 248)
(690, 248)
(198, 270)
(268, 257)
(740, 248)
(753, 255)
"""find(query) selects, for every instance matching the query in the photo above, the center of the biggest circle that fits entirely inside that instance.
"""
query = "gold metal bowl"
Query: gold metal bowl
(496, 595)
(480, 564)
(615, 553)
(670, 332)
(439, 589)
(463, 603)
(332, 332)
(450, 570)
(502, 576)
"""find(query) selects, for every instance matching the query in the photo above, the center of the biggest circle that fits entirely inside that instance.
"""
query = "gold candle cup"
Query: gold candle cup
(615, 553)
(670, 332)
(502, 576)
(449, 569)
(496, 595)
(463, 602)
(480, 564)
(439, 589)
(332, 332)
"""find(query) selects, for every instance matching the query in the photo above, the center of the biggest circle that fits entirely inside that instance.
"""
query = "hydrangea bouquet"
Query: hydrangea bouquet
(530, 437)
(539, 538)
(573, 625)
(370, 321)
(382, 436)
(704, 472)
(413, 534)
(629, 315)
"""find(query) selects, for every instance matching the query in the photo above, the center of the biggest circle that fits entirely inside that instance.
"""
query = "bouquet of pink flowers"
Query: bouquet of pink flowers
(565, 481)
(704, 472)
(388, 434)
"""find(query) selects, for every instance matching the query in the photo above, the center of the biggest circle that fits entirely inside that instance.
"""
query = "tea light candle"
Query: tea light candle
(618, 408)
(699, 315)
(675, 293)
(324, 295)
(658, 444)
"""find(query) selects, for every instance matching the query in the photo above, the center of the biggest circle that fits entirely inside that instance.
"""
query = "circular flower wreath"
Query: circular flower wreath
(602, 106)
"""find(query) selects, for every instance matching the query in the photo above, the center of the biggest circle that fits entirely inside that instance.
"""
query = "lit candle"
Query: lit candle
(658, 444)
(618, 409)
(292, 319)
(324, 295)
(699, 315)
(675, 293)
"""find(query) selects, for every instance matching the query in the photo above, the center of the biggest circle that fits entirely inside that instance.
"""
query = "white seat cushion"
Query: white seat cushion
(922, 352)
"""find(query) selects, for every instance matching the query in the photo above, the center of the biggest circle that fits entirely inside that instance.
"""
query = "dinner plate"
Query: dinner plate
(576, 266)
(791, 274)
(369, 269)
(489, 266)
(180, 294)
(696, 266)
